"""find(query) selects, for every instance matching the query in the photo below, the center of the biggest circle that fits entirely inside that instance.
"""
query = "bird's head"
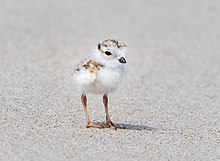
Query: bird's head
(112, 52)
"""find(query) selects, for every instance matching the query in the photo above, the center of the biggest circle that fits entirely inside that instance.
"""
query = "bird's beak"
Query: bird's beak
(122, 60)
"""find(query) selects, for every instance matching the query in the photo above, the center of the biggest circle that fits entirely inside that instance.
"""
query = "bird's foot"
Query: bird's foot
(90, 124)
(112, 126)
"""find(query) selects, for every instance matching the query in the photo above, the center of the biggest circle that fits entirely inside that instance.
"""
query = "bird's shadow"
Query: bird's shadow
(137, 127)
(128, 126)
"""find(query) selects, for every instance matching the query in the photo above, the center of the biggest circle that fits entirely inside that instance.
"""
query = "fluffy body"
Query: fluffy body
(101, 73)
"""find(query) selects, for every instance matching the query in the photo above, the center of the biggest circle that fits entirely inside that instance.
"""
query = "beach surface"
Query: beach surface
(169, 100)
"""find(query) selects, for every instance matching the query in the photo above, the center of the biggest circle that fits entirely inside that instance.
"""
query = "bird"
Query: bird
(101, 73)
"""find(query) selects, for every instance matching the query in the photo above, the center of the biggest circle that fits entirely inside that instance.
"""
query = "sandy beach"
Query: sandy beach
(169, 100)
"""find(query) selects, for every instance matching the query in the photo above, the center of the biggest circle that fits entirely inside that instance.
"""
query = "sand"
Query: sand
(169, 100)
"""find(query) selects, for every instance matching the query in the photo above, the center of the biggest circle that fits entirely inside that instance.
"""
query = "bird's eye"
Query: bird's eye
(108, 53)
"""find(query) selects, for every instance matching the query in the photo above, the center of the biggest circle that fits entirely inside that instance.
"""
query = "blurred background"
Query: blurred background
(169, 100)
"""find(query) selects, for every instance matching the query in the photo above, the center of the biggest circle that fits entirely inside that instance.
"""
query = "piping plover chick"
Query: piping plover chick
(101, 73)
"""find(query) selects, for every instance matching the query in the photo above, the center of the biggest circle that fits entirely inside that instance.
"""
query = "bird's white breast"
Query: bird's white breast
(107, 80)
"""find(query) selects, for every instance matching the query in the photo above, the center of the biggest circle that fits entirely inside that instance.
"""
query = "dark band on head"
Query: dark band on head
(99, 46)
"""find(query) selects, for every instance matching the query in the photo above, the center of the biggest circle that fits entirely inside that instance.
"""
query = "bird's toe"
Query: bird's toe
(92, 125)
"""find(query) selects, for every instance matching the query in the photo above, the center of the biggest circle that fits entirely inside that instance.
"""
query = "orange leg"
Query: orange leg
(88, 122)
(108, 120)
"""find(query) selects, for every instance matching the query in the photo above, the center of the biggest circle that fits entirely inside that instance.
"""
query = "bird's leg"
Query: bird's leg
(108, 121)
(88, 122)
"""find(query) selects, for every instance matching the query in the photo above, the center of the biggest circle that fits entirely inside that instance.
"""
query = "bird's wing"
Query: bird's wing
(89, 65)
(86, 71)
